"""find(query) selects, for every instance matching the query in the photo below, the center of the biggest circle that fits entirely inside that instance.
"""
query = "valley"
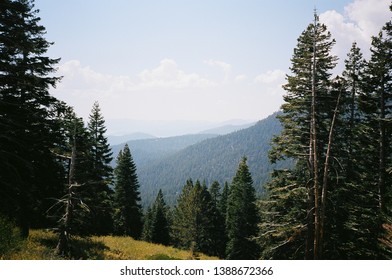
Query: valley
(166, 163)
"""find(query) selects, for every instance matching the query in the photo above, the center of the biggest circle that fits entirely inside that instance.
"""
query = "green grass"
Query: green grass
(41, 246)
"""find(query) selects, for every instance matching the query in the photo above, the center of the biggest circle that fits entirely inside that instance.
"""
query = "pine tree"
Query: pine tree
(193, 226)
(376, 104)
(156, 226)
(148, 224)
(28, 169)
(354, 206)
(77, 145)
(222, 205)
(128, 214)
(242, 216)
(99, 196)
(100, 148)
(376, 126)
(308, 111)
(218, 232)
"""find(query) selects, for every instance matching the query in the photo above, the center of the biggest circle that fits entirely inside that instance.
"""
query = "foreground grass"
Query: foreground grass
(41, 246)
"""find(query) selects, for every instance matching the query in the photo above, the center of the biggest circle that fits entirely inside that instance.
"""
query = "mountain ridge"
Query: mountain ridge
(215, 158)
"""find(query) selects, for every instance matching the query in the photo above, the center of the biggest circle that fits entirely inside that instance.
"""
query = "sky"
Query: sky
(210, 60)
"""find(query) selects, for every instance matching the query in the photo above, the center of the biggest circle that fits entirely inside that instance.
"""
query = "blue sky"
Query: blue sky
(190, 60)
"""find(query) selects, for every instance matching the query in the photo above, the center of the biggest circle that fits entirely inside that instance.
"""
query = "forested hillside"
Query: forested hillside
(148, 151)
(214, 159)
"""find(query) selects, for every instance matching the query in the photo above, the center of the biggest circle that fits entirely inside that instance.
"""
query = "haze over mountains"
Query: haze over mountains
(166, 163)
(169, 128)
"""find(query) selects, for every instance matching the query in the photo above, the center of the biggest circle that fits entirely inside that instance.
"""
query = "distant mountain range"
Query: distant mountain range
(169, 128)
(166, 163)
(146, 152)
(220, 130)
(226, 129)
(115, 140)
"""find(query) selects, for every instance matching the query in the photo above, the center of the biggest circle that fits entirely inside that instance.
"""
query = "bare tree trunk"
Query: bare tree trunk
(63, 245)
(313, 144)
(325, 177)
(382, 152)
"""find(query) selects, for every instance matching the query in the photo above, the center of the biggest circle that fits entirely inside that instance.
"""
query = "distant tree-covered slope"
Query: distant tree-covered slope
(212, 159)
(148, 151)
(117, 140)
(226, 129)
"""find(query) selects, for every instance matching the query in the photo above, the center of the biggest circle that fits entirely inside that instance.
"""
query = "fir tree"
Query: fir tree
(309, 108)
(128, 215)
(148, 225)
(222, 205)
(28, 169)
(192, 224)
(100, 149)
(376, 108)
(77, 146)
(156, 225)
(218, 233)
(99, 196)
(353, 203)
(242, 217)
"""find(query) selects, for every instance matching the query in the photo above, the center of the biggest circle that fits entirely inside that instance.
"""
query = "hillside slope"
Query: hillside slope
(212, 159)
(147, 151)
(41, 245)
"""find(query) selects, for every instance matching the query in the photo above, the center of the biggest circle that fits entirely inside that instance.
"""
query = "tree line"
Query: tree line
(334, 203)
(218, 221)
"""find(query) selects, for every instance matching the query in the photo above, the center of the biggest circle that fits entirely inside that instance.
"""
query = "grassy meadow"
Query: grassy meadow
(41, 246)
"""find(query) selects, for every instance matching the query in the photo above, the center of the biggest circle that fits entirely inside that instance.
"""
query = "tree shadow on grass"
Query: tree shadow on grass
(82, 248)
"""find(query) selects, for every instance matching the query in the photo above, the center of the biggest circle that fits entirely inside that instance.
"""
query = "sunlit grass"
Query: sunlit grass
(41, 246)
(126, 248)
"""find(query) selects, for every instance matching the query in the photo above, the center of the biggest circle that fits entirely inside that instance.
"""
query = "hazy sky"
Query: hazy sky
(190, 60)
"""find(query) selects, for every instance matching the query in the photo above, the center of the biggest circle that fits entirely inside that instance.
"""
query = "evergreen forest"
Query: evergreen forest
(323, 190)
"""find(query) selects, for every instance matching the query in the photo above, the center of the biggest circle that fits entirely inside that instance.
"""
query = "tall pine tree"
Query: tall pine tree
(28, 169)
(128, 214)
(99, 196)
(376, 108)
(308, 111)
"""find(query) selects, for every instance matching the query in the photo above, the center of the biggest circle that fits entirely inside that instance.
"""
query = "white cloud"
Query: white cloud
(83, 78)
(240, 78)
(270, 77)
(225, 67)
(167, 92)
(270, 83)
(361, 20)
(369, 15)
(168, 75)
